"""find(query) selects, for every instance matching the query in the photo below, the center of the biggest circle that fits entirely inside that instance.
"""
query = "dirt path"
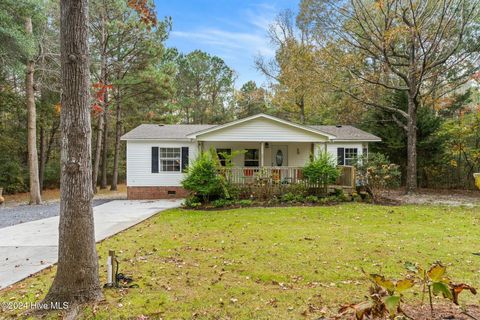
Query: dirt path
(438, 197)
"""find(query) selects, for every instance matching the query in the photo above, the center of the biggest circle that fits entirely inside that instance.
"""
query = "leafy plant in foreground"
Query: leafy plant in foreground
(385, 299)
(436, 282)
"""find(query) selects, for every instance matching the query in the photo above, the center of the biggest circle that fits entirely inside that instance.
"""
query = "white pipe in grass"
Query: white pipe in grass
(109, 271)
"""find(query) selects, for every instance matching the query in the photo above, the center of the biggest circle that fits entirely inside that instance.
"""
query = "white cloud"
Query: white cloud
(229, 41)
(237, 40)
(262, 15)
(249, 36)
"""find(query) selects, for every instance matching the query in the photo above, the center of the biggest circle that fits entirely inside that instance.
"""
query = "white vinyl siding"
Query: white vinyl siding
(262, 129)
(139, 163)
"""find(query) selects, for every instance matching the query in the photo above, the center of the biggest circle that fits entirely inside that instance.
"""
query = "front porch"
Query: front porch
(284, 175)
(274, 163)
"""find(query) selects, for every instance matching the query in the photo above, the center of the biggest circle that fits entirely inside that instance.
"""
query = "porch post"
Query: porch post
(262, 151)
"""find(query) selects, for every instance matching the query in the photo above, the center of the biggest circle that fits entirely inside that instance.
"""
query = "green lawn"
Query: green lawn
(266, 263)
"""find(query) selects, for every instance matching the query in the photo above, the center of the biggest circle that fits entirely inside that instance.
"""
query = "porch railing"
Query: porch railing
(282, 175)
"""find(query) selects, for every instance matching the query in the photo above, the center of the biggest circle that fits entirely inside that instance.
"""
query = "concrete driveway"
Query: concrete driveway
(29, 247)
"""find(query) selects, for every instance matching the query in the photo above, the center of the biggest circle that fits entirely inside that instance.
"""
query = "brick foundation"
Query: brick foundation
(143, 193)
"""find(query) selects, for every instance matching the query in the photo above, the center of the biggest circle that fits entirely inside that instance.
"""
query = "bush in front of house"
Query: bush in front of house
(203, 181)
(377, 174)
(321, 172)
(192, 202)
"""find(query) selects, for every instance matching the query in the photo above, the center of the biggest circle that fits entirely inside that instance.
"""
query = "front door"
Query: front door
(279, 156)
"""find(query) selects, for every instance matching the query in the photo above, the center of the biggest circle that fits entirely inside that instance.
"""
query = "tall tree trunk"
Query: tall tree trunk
(77, 279)
(301, 106)
(35, 197)
(103, 182)
(100, 123)
(118, 134)
(98, 152)
(411, 181)
(43, 156)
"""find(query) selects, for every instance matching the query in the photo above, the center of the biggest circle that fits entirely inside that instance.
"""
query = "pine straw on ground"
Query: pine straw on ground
(53, 195)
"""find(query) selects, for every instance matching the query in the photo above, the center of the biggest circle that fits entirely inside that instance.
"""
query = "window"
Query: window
(170, 159)
(252, 158)
(346, 156)
(220, 153)
(350, 156)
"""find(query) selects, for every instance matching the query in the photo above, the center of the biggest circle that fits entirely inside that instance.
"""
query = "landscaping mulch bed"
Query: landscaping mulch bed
(261, 204)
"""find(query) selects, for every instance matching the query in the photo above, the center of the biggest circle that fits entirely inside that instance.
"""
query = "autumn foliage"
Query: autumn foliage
(100, 89)
(145, 11)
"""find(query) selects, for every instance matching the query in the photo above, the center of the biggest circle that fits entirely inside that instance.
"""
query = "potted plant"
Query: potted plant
(475, 175)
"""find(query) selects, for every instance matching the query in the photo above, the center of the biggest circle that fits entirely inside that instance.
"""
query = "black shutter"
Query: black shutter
(341, 156)
(184, 158)
(154, 159)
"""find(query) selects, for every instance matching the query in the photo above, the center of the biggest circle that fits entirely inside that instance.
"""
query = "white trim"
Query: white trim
(261, 115)
(160, 160)
(158, 139)
(359, 141)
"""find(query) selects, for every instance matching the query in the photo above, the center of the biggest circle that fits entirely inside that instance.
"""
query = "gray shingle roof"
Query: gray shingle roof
(164, 132)
(181, 131)
(347, 133)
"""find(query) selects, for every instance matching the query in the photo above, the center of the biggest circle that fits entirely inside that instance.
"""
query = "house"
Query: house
(157, 155)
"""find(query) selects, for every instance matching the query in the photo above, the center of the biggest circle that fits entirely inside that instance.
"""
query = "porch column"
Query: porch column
(262, 152)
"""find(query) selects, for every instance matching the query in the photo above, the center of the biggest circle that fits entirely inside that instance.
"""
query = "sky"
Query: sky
(234, 30)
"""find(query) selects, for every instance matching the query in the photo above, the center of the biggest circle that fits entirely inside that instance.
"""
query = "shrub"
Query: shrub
(298, 189)
(291, 197)
(321, 172)
(12, 177)
(192, 202)
(338, 192)
(220, 203)
(203, 180)
(244, 203)
(377, 174)
(288, 197)
(311, 199)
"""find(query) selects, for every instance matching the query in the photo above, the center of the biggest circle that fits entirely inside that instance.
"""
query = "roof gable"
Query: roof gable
(263, 125)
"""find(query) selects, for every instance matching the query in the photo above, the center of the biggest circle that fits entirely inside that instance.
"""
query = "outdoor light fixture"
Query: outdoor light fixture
(298, 150)
(267, 145)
